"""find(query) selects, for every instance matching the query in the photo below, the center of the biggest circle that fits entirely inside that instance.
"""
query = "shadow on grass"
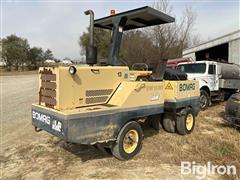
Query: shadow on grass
(225, 123)
(148, 131)
(217, 103)
(85, 152)
(88, 152)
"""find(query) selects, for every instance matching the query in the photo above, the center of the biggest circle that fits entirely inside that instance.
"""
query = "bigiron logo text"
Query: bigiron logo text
(201, 171)
(187, 87)
(41, 117)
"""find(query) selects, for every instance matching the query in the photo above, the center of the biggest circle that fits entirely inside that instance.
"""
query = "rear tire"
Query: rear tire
(169, 123)
(204, 100)
(129, 141)
(156, 122)
(185, 121)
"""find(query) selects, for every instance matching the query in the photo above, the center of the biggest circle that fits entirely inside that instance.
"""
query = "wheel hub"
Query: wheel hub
(189, 122)
(203, 101)
(130, 141)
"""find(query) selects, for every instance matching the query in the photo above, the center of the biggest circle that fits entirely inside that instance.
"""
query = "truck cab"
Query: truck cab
(206, 72)
(217, 80)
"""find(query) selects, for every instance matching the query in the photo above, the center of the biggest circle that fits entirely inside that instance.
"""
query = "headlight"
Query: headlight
(72, 70)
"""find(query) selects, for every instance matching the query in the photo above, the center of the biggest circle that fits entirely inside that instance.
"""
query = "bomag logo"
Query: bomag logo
(41, 117)
(187, 87)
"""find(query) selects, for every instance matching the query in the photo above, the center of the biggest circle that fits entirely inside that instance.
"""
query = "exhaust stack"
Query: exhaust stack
(91, 50)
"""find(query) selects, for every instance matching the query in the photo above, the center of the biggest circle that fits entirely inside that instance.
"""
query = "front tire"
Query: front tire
(129, 141)
(185, 121)
(204, 100)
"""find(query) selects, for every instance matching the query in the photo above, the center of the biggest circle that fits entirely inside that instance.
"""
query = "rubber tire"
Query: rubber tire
(232, 107)
(168, 123)
(156, 122)
(117, 148)
(204, 93)
(181, 121)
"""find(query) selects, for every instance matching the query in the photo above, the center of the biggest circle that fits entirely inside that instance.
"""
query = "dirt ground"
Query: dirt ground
(26, 154)
(15, 73)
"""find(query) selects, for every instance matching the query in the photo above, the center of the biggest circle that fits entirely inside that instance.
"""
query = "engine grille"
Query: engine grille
(93, 100)
(99, 92)
(47, 92)
(97, 96)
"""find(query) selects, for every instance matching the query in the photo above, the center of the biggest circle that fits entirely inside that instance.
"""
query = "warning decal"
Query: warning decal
(169, 86)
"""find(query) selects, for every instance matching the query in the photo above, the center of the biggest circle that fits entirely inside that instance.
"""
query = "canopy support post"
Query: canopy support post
(117, 32)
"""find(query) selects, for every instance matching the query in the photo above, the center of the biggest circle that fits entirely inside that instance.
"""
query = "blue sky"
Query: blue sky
(57, 25)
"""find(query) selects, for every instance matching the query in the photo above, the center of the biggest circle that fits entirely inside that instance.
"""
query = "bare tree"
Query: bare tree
(151, 44)
(165, 41)
(171, 39)
(136, 47)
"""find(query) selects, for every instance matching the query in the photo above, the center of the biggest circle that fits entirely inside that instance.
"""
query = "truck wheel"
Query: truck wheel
(129, 141)
(156, 122)
(185, 121)
(169, 123)
(204, 100)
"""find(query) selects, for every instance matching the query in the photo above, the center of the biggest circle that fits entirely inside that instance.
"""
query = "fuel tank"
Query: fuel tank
(230, 71)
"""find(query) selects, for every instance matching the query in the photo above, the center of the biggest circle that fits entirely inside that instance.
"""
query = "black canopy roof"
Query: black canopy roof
(136, 18)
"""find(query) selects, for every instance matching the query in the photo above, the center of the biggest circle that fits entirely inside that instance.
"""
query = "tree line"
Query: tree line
(151, 44)
(17, 54)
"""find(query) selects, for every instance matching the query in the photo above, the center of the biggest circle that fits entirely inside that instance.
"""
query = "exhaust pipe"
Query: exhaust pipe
(91, 24)
(91, 50)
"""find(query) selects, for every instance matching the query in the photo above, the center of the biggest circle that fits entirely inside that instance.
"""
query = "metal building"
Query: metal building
(225, 48)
